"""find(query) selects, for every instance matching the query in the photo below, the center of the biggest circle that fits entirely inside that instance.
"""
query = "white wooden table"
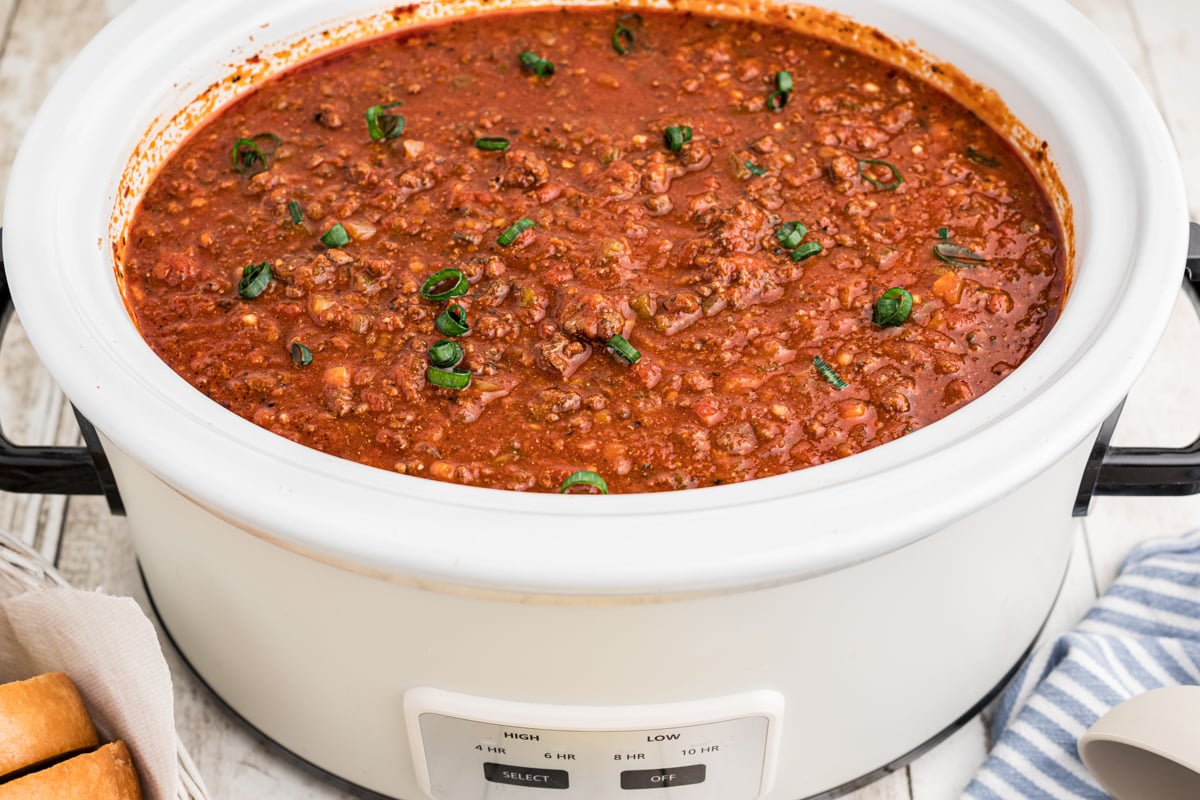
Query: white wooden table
(39, 37)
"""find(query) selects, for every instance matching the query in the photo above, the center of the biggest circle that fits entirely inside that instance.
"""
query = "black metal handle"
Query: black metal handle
(38, 469)
(1146, 471)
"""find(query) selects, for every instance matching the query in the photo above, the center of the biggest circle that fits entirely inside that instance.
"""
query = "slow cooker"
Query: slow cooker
(778, 639)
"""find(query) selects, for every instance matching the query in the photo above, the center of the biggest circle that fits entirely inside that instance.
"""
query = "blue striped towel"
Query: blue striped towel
(1143, 633)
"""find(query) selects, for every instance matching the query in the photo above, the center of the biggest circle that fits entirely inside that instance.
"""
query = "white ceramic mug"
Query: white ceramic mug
(1148, 748)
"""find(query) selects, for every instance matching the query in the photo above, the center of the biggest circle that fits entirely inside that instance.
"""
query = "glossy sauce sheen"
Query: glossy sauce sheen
(675, 250)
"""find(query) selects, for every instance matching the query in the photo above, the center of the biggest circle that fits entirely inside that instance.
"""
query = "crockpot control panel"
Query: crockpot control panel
(714, 749)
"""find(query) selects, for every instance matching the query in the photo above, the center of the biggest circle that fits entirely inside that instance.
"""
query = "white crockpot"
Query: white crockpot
(773, 639)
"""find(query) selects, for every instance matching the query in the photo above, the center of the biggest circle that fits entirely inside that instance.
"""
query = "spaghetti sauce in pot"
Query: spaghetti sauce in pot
(665, 250)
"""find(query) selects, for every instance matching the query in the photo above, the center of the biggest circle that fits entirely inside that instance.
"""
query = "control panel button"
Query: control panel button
(658, 778)
(526, 776)
(716, 748)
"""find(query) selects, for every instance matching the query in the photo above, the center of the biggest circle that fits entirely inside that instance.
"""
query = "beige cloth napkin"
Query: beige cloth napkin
(110, 650)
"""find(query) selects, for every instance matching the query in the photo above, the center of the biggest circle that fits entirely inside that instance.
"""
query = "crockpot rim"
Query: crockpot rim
(559, 566)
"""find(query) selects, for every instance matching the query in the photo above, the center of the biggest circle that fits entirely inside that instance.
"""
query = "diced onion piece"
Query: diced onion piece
(359, 230)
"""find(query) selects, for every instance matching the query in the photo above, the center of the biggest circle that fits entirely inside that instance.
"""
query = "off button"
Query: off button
(526, 776)
(658, 778)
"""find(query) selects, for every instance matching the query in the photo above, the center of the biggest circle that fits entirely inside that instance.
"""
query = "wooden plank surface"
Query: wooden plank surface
(40, 37)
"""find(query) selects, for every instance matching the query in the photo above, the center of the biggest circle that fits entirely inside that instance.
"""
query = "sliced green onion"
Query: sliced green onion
(515, 230)
(536, 64)
(252, 156)
(958, 256)
(791, 234)
(806, 250)
(446, 354)
(295, 212)
(585, 477)
(255, 278)
(624, 349)
(893, 307)
(897, 178)
(453, 321)
(492, 143)
(336, 236)
(783, 91)
(980, 158)
(381, 125)
(301, 355)
(944, 234)
(829, 373)
(755, 169)
(622, 38)
(444, 284)
(453, 378)
(676, 137)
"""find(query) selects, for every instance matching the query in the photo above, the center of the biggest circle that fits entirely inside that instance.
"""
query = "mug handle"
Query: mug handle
(1148, 747)
(46, 469)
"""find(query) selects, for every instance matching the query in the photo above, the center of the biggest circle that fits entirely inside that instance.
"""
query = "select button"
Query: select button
(526, 776)
(658, 778)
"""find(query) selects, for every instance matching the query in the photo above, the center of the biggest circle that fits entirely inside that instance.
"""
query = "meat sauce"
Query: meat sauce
(673, 232)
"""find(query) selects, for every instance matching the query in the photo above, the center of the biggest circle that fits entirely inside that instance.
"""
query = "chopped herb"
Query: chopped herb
(336, 236)
(492, 143)
(893, 307)
(755, 169)
(255, 278)
(301, 355)
(444, 284)
(980, 158)
(295, 212)
(676, 137)
(866, 175)
(624, 349)
(453, 321)
(829, 373)
(516, 229)
(958, 256)
(446, 354)
(584, 477)
(536, 64)
(381, 125)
